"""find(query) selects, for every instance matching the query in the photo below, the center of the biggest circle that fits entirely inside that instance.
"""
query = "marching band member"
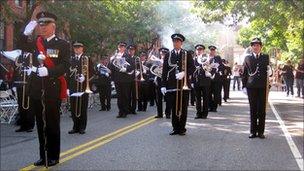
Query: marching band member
(47, 84)
(143, 89)
(103, 84)
(80, 65)
(202, 81)
(177, 67)
(216, 84)
(156, 69)
(256, 84)
(121, 68)
(132, 94)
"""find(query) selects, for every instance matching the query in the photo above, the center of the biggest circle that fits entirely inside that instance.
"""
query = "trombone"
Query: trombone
(181, 85)
(84, 70)
(26, 105)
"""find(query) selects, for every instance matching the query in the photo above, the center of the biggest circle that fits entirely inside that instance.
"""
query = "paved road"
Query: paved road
(218, 143)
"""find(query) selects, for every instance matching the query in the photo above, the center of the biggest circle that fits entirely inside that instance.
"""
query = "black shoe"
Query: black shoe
(133, 112)
(20, 130)
(119, 116)
(108, 108)
(39, 162)
(124, 116)
(198, 117)
(158, 116)
(213, 110)
(53, 162)
(252, 135)
(225, 100)
(168, 117)
(174, 133)
(204, 117)
(182, 133)
(81, 132)
(73, 131)
(102, 109)
(262, 136)
(29, 130)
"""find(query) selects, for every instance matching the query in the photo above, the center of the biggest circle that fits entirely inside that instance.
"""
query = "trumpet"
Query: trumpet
(84, 70)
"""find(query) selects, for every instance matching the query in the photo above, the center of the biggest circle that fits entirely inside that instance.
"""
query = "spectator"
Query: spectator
(300, 78)
(287, 72)
(236, 76)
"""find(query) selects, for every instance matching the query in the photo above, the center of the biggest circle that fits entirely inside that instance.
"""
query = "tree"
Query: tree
(278, 22)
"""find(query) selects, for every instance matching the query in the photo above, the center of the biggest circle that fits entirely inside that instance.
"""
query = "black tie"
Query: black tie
(257, 56)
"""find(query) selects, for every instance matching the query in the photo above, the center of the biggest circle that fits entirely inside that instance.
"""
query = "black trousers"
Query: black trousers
(178, 124)
(192, 96)
(79, 118)
(104, 91)
(226, 87)
(159, 101)
(257, 102)
(214, 95)
(144, 93)
(199, 92)
(133, 100)
(151, 95)
(52, 132)
(27, 118)
(168, 108)
(123, 97)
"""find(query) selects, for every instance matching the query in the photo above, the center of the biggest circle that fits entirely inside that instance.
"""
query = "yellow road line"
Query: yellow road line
(98, 142)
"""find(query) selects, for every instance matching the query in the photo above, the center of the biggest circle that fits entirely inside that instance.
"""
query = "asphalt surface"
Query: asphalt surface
(218, 143)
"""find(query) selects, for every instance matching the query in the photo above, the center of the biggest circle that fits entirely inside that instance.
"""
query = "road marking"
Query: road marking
(86, 147)
(294, 149)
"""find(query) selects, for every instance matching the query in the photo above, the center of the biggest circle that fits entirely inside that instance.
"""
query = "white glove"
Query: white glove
(137, 73)
(30, 27)
(180, 76)
(192, 85)
(107, 74)
(244, 90)
(81, 78)
(30, 70)
(163, 90)
(144, 71)
(207, 74)
(43, 72)
(68, 92)
(123, 70)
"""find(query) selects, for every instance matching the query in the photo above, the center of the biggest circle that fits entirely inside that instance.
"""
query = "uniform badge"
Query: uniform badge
(52, 53)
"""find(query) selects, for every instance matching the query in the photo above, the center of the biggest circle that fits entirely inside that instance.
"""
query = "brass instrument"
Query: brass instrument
(14, 56)
(27, 104)
(84, 70)
(179, 89)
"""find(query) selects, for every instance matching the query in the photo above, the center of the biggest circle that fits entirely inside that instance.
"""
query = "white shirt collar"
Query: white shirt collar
(50, 38)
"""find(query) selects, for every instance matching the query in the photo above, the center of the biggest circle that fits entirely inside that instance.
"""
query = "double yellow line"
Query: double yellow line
(86, 147)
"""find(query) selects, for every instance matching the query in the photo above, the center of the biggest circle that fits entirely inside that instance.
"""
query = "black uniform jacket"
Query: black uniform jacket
(59, 52)
(199, 78)
(217, 73)
(255, 71)
(172, 65)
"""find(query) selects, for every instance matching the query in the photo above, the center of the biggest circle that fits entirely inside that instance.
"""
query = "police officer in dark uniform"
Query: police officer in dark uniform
(201, 80)
(80, 65)
(103, 84)
(132, 58)
(216, 81)
(47, 84)
(21, 80)
(226, 79)
(122, 67)
(177, 65)
(255, 81)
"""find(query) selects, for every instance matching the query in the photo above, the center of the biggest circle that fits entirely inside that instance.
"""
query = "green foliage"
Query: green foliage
(278, 22)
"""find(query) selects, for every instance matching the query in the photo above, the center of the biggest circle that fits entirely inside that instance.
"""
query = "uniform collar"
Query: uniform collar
(50, 38)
